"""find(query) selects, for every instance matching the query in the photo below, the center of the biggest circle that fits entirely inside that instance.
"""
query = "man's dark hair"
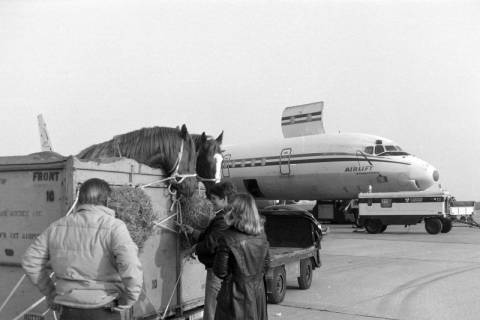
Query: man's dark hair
(94, 191)
(224, 189)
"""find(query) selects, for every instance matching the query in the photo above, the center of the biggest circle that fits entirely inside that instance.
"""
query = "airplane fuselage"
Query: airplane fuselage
(326, 166)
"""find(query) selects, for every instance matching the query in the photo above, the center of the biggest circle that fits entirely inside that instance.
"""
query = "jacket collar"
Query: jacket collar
(95, 209)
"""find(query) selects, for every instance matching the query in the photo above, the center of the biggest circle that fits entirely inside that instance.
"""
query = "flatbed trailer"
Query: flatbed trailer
(37, 189)
(295, 242)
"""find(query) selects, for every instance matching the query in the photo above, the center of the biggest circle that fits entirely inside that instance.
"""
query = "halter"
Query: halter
(173, 173)
(174, 170)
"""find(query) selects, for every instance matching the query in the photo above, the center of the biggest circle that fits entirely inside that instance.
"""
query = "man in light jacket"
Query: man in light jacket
(93, 257)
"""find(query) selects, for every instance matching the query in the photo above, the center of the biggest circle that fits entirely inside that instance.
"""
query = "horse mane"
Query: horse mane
(157, 147)
(142, 145)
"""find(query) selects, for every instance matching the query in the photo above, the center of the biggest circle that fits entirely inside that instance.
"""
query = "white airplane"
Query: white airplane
(309, 164)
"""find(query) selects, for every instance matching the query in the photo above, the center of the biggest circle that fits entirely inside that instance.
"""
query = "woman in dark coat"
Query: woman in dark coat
(241, 261)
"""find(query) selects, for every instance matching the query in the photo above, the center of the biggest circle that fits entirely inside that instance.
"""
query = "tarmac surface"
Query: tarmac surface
(404, 273)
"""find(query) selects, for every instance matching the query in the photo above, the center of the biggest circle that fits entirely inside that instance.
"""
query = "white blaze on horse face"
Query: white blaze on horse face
(218, 168)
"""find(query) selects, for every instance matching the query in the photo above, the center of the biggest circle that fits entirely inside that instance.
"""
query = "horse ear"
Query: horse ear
(184, 132)
(203, 138)
(220, 138)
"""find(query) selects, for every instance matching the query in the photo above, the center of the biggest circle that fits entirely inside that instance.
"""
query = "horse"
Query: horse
(171, 149)
(209, 158)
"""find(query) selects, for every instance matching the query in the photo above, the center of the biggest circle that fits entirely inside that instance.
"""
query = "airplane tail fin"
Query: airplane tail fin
(303, 120)
(45, 142)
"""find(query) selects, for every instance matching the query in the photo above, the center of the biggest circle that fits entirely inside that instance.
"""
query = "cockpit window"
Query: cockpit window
(393, 151)
(382, 150)
(379, 149)
(368, 150)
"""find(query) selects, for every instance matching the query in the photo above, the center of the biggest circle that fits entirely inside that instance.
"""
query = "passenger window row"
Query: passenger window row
(249, 163)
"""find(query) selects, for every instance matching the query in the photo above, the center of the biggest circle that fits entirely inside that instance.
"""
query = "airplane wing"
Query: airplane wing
(303, 120)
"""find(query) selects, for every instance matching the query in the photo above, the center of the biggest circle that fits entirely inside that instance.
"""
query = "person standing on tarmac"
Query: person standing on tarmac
(241, 261)
(220, 194)
(97, 270)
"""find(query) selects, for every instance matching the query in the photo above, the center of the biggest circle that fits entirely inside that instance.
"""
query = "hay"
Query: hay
(197, 211)
(134, 207)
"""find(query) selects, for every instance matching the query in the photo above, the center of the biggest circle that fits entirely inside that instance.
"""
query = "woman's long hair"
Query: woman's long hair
(243, 215)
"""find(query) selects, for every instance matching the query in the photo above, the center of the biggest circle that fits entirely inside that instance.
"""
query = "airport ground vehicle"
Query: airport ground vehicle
(37, 189)
(295, 241)
(378, 210)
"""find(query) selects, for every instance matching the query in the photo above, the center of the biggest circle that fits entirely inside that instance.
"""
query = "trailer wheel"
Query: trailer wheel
(446, 225)
(373, 226)
(306, 274)
(278, 285)
(433, 225)
(384, 227)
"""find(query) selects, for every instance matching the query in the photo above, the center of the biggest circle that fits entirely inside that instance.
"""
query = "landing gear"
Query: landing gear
(433, 225)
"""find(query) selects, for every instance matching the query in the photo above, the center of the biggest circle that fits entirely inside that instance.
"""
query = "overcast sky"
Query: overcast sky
(405, 70)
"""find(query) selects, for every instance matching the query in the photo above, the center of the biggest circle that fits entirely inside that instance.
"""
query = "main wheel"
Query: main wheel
(278, 286)
(433, 225)
(306, 274)
(373, 226)
(447, 225)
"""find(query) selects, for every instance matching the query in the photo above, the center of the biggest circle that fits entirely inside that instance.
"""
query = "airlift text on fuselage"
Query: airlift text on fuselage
(363, 169)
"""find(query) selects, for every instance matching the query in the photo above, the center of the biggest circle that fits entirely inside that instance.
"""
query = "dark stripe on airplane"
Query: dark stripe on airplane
(258, 162)
(300, 121)
(303, 117)
(319, 113)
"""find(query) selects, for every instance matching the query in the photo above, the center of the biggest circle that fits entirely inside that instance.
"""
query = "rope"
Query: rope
(29, 308)
(74, 203)
(12, 292)
(206, 179)
(160, 223)
(173, 291)
(154, 182)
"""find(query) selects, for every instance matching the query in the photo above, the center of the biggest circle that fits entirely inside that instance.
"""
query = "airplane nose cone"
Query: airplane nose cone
(423, 174)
